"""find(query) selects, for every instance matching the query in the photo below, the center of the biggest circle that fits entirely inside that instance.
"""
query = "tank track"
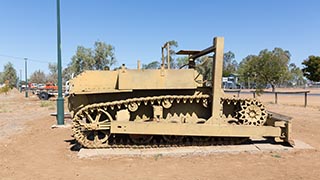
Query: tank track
(118, 142)
(246, 111)
(92, 138)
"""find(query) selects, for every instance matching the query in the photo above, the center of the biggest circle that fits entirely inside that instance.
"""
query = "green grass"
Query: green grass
(276, 155)
(3, 110)
(49, 104)
(157, 156)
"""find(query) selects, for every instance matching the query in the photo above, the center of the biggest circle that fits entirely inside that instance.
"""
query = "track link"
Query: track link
(98, 114)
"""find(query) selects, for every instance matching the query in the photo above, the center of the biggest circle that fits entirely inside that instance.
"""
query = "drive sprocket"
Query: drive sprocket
(252, 113)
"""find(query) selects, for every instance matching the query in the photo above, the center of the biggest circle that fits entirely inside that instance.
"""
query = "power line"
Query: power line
(22, 58)
(29, 59)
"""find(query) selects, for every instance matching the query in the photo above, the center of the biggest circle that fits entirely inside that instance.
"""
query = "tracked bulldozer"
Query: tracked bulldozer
(167, 107)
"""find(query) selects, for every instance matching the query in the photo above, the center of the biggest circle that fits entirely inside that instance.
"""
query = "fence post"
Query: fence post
(305, 99)
(276, 98)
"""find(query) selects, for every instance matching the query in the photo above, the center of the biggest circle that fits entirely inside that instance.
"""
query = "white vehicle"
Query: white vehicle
(41, 86)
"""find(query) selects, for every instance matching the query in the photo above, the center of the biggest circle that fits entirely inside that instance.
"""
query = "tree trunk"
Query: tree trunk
(273, 87)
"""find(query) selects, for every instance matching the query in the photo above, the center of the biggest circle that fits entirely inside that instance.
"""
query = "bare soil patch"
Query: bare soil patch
(30, 149)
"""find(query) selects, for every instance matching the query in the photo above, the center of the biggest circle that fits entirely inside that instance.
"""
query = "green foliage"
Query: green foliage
(296, 76)
(67, 74)
(38, 77)
(174, 64)
(178, 63)
(172, 45)
(53, 74)
(100, 58)
(103, 55)
(182, 61)
(152, 65)
(82, 60)
(311, 68)
(204, 67)
(230, 65)
(269, 67)
(9, 74)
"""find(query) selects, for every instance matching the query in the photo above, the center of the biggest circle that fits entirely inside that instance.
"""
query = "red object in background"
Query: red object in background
(32, 85)
(51, 86)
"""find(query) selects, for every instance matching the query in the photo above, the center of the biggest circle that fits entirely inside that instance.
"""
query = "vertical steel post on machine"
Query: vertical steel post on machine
(60, 100)
(168, 54)
(162, 58)
(218, 44)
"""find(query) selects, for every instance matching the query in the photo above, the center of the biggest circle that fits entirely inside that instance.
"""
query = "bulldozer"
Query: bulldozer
(167, 107)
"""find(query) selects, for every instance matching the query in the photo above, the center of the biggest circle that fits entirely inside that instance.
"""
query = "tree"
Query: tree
(172, 45)
(230, 65)
(182, 62)
(296, 76)
(38, 77)
(152, 65)
(82, 60)
(269, 67)
(1, 77)
(9, 74)
(204, 67)
(67, 74)
(53, 73)
(101, 58)
(311, 68)
(103, 55)
(174, 63)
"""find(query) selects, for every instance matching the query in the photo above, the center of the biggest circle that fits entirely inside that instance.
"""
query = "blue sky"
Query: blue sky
(138, 28)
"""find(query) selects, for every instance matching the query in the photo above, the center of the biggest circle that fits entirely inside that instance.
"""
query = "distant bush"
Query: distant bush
(5, 89)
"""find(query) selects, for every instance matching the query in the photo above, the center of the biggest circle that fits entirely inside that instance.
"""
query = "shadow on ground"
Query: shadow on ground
(75, 146)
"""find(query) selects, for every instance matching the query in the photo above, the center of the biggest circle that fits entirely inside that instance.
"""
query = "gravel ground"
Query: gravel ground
(31, 149)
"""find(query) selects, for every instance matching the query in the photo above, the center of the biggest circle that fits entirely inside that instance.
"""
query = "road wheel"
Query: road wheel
(44, 96)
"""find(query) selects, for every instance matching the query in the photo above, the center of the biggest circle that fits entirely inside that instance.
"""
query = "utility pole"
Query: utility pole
(26, 71)
(168, 52)
(60, 100)
(20, 84)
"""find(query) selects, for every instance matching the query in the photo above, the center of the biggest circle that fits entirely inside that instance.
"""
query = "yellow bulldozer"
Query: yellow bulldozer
(167, 107)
